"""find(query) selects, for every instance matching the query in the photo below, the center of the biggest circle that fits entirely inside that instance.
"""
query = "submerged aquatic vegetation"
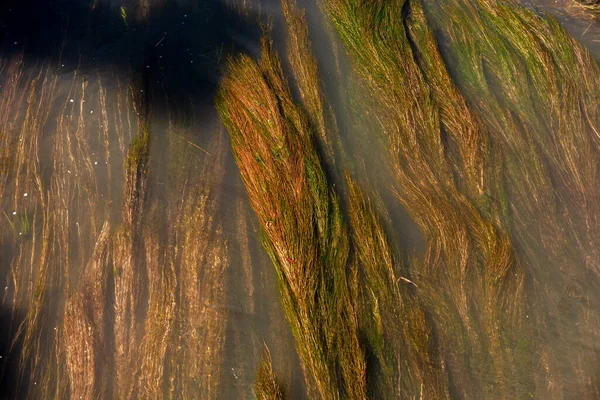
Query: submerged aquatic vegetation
(592, 5)
(85, 332)
(117, 303)
(470, 279)
(267, 387)
(495, 156)
(272, 139)
(174, 340)
(308, 82)
(130, 274)
(400, 337)
(538, 90)
(59, 207)
(301, 219)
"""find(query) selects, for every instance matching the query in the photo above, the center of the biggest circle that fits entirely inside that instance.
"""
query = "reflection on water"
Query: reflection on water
(133, 264)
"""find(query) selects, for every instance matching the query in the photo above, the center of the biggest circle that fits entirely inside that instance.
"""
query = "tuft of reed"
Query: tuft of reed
(266, 386)
(202, 254)
(305, 72)
(84, 330)
(130, 279)
(272, 139)
(302, 223)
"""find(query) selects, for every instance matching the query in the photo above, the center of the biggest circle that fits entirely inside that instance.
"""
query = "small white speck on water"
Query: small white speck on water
(20, 233)
(91, 112)
(147, 66)
(184, 15)
(16, 42)
(24, 194)
(63, 65)
(95, 162)
(93, 153)
(191, 62)
(6, 288)
(142, 90)
(69, 171)
(71, 100)
(14, 213)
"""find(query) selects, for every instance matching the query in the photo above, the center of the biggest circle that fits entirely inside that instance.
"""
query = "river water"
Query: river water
(199, 310)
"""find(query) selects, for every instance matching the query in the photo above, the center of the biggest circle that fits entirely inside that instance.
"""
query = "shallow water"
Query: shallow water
(77, 81)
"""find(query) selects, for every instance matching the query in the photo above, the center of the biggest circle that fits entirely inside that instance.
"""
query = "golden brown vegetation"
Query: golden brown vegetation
(120, 267)
(122, 304)
(272, 138)
(266, 382)
(300, 216)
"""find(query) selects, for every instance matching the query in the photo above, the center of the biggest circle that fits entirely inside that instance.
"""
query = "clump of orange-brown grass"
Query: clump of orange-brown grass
(470, 279)
(301, 219)
(266, 387)
(124, 303)
(308, 82)
(167, 262)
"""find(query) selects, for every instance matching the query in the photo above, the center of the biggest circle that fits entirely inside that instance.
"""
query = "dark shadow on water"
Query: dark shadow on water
(176, 48)
(9, 361)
